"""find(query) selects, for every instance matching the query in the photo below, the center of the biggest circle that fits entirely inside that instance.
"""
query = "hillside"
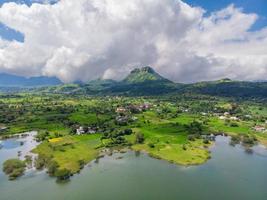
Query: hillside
(144, 82)
(228, 88)
(140, 82)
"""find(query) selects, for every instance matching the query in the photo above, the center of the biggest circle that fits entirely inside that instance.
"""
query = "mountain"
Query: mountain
(145, 74)
(9, 80)
(146, 82)
(140, 82)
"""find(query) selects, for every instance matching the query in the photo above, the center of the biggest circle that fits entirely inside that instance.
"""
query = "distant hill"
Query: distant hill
(146, 82)
(9, 80)
(228, 88)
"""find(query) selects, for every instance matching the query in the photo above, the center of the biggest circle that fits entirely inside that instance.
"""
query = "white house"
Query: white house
(259, 128)
(226, 114)
(222, 117)
(80, 131)
(121, 110)
(91, 130)
(234, 118)
(3, 128)
(248, 116)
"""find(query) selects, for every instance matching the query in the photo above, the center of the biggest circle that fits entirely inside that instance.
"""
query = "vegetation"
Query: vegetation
(177, 128)
(146, 82)
(143, 75)
(70, 152)
(139, 138)
(14, 168)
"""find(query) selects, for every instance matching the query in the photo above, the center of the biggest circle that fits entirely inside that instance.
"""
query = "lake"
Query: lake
(231, 174)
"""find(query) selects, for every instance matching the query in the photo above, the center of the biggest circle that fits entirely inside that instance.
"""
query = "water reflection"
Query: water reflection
(230, 174)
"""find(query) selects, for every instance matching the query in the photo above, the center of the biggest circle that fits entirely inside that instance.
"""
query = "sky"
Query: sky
(185, 41)
(249, 6)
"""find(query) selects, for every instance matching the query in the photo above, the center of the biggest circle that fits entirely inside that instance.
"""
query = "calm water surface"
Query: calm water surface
(231, 174)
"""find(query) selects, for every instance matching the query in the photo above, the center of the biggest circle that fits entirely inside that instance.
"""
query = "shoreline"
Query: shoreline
(205, 149)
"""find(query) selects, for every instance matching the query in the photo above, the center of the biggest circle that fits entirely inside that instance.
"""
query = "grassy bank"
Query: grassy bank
(70, 151)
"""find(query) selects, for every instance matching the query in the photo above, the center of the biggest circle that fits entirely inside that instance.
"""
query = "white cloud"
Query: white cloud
(88, 39)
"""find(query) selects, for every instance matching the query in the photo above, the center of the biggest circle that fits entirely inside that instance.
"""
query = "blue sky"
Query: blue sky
(249, 6)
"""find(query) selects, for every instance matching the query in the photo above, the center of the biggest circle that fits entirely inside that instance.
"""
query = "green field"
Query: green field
(69, 150)
(172, 128)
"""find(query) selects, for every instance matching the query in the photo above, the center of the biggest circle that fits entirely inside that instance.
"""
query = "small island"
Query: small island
(14, 168)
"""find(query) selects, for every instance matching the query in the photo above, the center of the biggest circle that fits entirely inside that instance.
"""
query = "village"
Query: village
(128, 114)
(124, 116)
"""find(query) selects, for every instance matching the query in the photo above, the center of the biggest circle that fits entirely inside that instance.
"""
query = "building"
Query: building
(80, 131)
(3, 128)
(248, 116)
(121, 110)
(84, 130)
(145, 106)
(259, 128)
(91, 130)
(234, 118)
(226, 114)
(122, 120)
(134, 118)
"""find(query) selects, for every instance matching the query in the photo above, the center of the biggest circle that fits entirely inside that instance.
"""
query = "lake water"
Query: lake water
(231, 174)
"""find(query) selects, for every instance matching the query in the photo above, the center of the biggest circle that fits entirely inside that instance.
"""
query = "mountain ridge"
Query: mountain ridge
(10, 80)
(146, 81)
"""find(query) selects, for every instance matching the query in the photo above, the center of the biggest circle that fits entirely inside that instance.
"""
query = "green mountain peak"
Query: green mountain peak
(144, 74)
(225, 80)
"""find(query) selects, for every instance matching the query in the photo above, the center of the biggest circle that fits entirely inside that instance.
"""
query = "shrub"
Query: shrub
(151, 145)
(42, 135)
(206, 141)
(14, 168)
(62, 174)
(128, 131)
(234, 124)
(41, 161)
(28, 160)
(191, 137)
(81, 163)
(195, 128)
(249, 140)
(235, 140)
(52, 168)
(248, 150)
(139, 138)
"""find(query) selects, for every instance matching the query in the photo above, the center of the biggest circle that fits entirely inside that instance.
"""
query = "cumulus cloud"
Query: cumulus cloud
(88, 39)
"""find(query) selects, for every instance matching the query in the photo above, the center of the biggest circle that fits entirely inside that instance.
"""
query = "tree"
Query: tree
(195, 128)
(14, 168)
(62, 174)
(151, 145)
(52, 168)
(139, 138)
